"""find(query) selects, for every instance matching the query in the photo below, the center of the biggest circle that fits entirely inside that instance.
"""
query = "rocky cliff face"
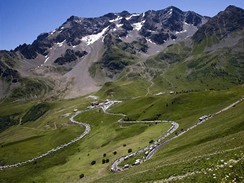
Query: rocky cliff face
(157, 26)
(226, 22)
(83, 53)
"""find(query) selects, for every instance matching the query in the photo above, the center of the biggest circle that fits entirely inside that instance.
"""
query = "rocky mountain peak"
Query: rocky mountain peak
(107, 44)
(233, 8)
(173, 9)
(73, 18)
(124, 14)
(158, 26)
(110, 16)
(224, 23)
(113, 41)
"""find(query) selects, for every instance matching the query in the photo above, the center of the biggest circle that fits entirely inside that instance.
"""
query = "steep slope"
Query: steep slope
(226, 22)
(213, 62)
(8, 75)
(81, 47)
(82, 82)
(11, 79)
(184, 81)
(202, 145)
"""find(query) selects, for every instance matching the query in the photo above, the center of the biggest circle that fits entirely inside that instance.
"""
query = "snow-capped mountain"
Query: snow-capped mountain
(158, 27)
(83, 53)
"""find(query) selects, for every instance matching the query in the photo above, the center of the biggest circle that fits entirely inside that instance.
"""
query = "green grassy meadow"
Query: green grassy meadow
(207, 153)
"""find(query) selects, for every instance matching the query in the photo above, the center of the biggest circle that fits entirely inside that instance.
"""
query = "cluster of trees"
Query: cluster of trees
(105, 161)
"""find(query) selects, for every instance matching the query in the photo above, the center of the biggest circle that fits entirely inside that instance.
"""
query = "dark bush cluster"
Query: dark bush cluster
(105, 161)
(81, 176)
(129, 150)
(93, 162)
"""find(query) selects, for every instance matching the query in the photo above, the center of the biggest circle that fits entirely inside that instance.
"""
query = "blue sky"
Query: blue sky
(21, 21)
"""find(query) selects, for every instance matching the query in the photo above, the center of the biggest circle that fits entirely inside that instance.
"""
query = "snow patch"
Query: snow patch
(74, 46)
(62, 28)
(61, 44)
(143, 15)
(180, 32)
(138, 26)
(133, 15)
(150, 41)
(46, 59)
(170, 11)
(116, 19)
(119, 25)
(103, 39)
(90, 39)
(78, 21)
(151, 31)
(52, 32)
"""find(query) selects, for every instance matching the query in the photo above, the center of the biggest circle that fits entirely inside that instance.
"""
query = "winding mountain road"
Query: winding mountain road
(87, 130)
(174, 126)
(115, 165)
(159, 143)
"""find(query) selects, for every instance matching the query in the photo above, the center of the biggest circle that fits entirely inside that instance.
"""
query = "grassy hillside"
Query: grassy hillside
(117, 56)
(31, 89)
(118, 139)
(108, 140)
(203, 83)
(210, 152)
(185, 66)
(124, 89)
(190, 66)
(25, 141)
(35, 112)
(199, 76)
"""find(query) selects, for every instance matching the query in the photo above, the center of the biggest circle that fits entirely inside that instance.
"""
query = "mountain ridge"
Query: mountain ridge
(67, 54)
